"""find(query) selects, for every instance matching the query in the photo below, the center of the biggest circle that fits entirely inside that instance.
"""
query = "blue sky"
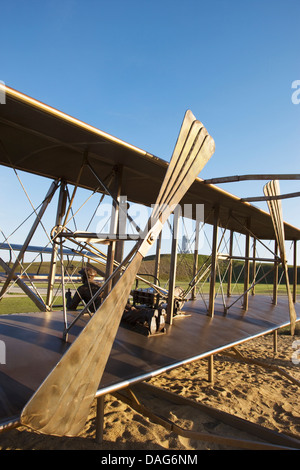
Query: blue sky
(132, 68)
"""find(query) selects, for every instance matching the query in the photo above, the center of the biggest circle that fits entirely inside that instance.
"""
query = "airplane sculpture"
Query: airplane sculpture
(68, 151)
(70, 388)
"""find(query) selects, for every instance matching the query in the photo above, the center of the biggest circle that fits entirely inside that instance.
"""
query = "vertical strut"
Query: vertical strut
(61, 207)
(212, 287)
(157, 256)
(295, 273)
(247, 268)
(113, 226)
(170, 306)
(254, 266)
(275, 280)
(230, 264)
(196, 250)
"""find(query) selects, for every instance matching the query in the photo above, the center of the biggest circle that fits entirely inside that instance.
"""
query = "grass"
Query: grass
(13, 303)
(263, 289)
(16, 304)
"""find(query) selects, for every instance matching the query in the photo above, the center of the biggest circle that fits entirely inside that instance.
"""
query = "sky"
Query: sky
(132, 68)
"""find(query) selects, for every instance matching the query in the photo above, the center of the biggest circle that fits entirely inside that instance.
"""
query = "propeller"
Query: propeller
(272, 189)
(61, 404)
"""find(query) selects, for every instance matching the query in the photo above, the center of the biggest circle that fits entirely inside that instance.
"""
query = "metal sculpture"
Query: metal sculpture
(61, 404)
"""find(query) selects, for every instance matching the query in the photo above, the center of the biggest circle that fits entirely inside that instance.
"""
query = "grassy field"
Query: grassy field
(16, 303)
(22, 304)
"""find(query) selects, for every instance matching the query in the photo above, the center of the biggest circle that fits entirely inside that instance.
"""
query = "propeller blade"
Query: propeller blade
(272, 189)
(61, 404)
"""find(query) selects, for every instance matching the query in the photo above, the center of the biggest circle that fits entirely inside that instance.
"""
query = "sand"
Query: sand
(248, 391)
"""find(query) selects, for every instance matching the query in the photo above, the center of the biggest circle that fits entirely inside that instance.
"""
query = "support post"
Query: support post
(295, 273)
(65, 335)
(173, 266)
(275, 280)
(254, 266)
(275, 341)
(157, 256)
(212, 287)
(247, 269)
(61, 207)
(45, 204)
(121, 230)
(113, 226)
(230, 264)
(211, 368)
(100, 419)
(195, 267)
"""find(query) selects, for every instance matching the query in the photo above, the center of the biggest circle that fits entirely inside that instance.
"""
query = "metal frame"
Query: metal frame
(111, 260)
(281, 441)
(114, 263)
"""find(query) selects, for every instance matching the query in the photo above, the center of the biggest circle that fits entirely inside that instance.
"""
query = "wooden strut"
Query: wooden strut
(273, 440)
(113, 227)
(247, 269)
(212, 286)
(232, 179)
(196, 250)
(295, 273)
(230, 264)
(173, 265)
(270, 198)
(61, 206)
(275, 281)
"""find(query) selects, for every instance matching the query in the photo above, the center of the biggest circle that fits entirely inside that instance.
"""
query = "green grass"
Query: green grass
(263, 289)
(16, 304)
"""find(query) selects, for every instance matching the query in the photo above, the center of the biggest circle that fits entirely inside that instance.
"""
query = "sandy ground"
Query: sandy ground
(248, 391)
